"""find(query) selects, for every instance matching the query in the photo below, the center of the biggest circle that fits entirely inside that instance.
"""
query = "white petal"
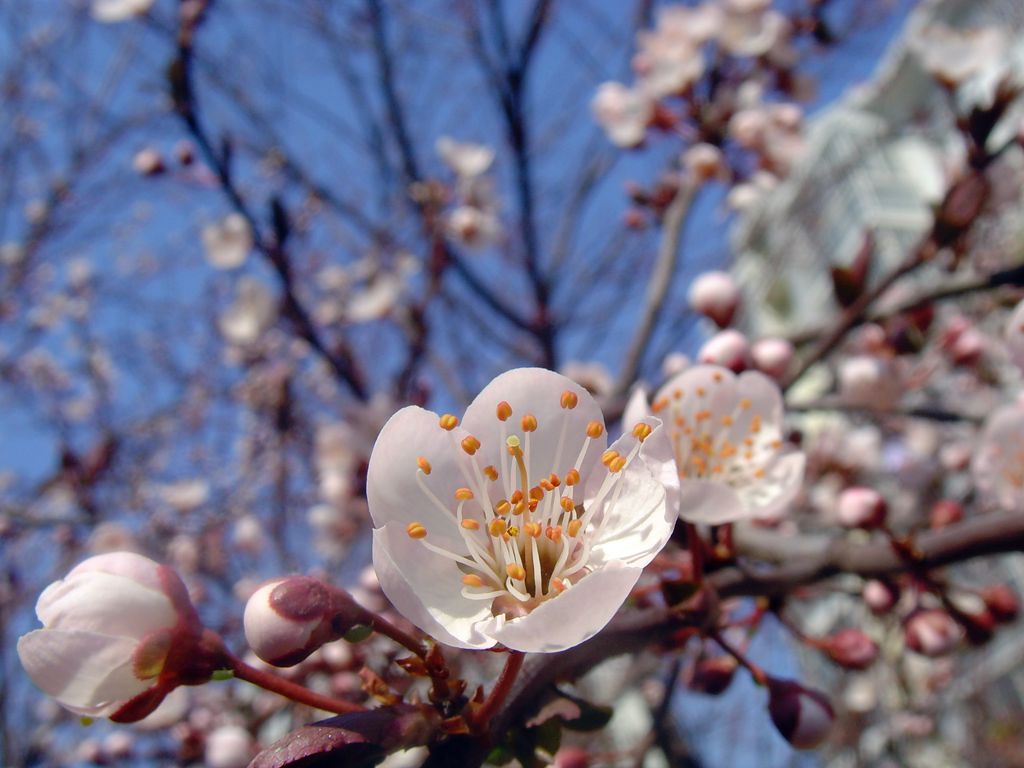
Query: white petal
(87, 672)
(93, 601)
(539, 392)
(392, 489)
(640, 523)
(131, 565)
(637, 409)
(575, 615)
(426, 589)
(710, 503)
(785, 477)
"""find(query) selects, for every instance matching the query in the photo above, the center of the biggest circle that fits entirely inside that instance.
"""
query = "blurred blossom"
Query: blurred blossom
(227, 242)
(465, 159)
(715, 295)
(229, 746)
(953, 56)
(869, 382)
(110, 11)
(148, 162)
(548, 541)
(184, 495)
(669, 58)
(1014, 336)
(252, 312)
(748, 29)
(109, 536)
(247, 534)
(772, 356)
(728, 348)
(623, 113)
(472, 226)
(998, 464)
(727, 434)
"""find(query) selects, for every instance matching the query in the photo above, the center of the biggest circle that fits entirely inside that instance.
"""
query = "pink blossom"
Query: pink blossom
(728, 348)
(715, 294)
(998, 465)
(623, 112)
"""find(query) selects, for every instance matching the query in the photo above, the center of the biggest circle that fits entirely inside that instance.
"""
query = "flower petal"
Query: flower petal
(130, 565)
(392, 489)
(637, 408)
(426, 589)
(710, 503)
(779, 487)
(88, 673)
(576, 615)
(538, 392)
(646, 508)
(115, 606)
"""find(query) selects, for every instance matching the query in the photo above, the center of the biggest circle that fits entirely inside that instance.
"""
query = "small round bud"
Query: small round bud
(715, 295)
(772, 356)
(148, 162)
(852, 649)
(703, 161)
(861, 507)
(726, 348)
(287, 619)
(868, 382)
(1001, 602)
(879, 596)
(931, 632)
(803, 716)
(945, 512)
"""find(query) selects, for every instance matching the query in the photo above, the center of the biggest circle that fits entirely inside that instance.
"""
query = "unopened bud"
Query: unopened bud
(803, 716)
(703, 161)
(772, 356)
(148, 162)
(861, 507)
(715, 295)
(712, 676)
(286, 620)
(879, 596)
(571, 757)
(852, 649)
(974, 617)
(868, 381)
(945, 512)
(931, 632)
(727, 348)
(1001, 602)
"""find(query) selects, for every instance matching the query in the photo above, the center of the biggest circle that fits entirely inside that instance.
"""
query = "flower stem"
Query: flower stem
(501, 689)
(696, 547)
(384, 627)
(755, 671)
(290, 690)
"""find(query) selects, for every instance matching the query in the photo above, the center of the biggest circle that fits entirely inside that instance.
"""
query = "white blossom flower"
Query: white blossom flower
(667, 64)
(466, 159)
(108, 630)
(998, 465)
(623, 113)
(251, 313)
(752, 29)
(227, 242)
(726, 431)
(953, 56)
(473, 226)
(518, 526)
(110, 11)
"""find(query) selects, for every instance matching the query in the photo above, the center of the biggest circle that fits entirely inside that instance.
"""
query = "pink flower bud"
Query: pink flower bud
(931, 632)
(852, 649)
(712, 675)
(861, 508)
(728, 349)
(572, 757)
(803, 716)
(868, 382)
(879, 596)
(968, 347)
(119, 633)
(1001, 602)
(945, 512)
(715, 295)
(772, 356)
(147, 162)
(703, 161)
(287, 619)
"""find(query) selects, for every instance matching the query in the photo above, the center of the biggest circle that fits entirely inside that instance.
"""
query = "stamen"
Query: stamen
(463, 494)
(491, 472)
(609, 456)
(448, 422)
(567, 504)
(553, 480)
(569, 400)
(572, 477)
(515, 571)
(642, 431)
(574, 527)
(424, 465)
(470, 444)
(471, 525)
(595, 429)
(504, 410)
(529, 423)
(472, 580)
(536, 493)
(497, 527)
(416, 531)
(554, 532)
(502, 507)
(558, 584)
(532, 530)
(617, 464)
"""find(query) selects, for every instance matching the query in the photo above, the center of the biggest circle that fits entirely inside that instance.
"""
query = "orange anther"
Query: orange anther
(529, 423)
(512, 531)
(463, 494)
(558, 584)
(617, 464)
(472, 580)
(727, 421)
(745, 403)
(519, 508)
(491, 472)
(567, 504)
(470, 444)
(423, 464)
(470, 525)
(448, 422)
(553, 479)
(642, 431)
(572, 477)
(570, 400)
(515, 571)
(574, 527)
(502, 507)
(608, 456)
(416, 531)
(536, 493)
(504, 410)
(717, 376)
(701, 391)
(595, 429)
(546, 485)
(516, 497)
(497, 527)
(554, 532)
(533, 530)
